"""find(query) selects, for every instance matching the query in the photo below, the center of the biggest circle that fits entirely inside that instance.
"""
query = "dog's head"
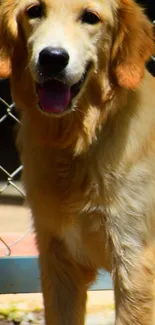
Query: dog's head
(51, 48)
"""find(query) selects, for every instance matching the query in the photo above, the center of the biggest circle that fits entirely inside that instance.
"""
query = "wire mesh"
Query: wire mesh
(10, 166)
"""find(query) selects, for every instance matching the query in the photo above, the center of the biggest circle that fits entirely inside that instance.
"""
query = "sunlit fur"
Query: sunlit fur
(90, 174)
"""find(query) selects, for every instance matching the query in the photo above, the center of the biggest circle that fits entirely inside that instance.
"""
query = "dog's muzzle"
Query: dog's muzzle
(54, 93)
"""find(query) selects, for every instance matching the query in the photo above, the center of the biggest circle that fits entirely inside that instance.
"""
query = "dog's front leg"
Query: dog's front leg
(63, 284)
(134, 289)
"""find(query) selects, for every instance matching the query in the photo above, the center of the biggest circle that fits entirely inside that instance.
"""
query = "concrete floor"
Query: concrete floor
(15, 221)
(14, 218)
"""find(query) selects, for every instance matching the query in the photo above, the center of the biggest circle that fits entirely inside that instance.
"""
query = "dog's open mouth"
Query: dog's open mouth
(54, 96)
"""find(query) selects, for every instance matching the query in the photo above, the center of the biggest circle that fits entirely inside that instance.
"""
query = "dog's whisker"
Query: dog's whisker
(79, 110)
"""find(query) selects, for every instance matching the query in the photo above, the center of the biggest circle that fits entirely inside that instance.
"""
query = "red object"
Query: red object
(25, 247)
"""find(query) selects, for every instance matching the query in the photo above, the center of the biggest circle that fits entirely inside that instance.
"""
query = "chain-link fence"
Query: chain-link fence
(10, 167)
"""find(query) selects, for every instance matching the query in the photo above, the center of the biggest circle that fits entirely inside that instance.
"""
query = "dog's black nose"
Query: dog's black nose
(53, 60)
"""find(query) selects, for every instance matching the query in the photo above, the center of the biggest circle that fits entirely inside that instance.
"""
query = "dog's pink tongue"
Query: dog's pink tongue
(54, 96)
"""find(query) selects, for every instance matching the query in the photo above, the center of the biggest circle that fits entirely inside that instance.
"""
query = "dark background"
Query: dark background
(149, 6)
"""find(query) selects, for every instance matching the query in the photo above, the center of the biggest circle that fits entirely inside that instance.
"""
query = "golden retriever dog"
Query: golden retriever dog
(87, 142)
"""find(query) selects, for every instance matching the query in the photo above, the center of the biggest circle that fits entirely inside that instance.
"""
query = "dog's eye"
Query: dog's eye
(90, 18)
(35, 11)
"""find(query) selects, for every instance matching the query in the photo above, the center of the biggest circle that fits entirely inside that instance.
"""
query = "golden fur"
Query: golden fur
(90, 174)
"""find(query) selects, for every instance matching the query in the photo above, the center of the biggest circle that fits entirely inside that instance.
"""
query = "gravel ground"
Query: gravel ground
(27, 309)
(36, 318)
(23, 318)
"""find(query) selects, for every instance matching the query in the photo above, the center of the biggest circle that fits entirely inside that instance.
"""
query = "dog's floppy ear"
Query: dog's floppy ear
(5, 64)
(133, 44)
(8, 36)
